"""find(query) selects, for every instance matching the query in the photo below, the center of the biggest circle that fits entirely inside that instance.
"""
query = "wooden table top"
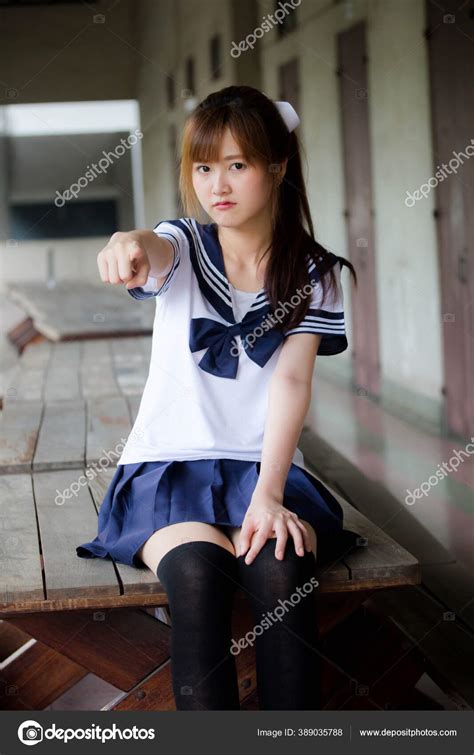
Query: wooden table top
(82, 310)
(68, 403)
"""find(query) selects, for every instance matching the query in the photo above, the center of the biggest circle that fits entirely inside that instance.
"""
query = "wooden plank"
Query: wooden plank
(81, 310)
(438, 634)
(383, 562)
(20, 562)
(129, 364)
(11, 640)
(108, 425)
(156, 691)
(383, 559)
(37, 356)
(133, 405)
(371, 665)
(453, 585)
(122, 647)
(36, 677)
(62, 379)
(19, 428)
(96, 371)
(66, 518)
(145, 344)
(27, 379)
(61, 439)
(11, 610)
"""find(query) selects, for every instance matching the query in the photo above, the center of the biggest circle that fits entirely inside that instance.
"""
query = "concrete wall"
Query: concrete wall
(405, 238)
(74, 259)
(59, 53)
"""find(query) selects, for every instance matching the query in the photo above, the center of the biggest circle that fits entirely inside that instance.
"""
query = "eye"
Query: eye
(243, 165)
(198, 169)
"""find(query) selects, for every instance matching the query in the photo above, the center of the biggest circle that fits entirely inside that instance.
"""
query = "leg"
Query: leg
(169, 537)
(196, 565)
(282, 596)
(233, 534)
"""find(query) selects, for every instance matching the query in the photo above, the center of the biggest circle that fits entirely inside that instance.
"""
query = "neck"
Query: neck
(244, 245)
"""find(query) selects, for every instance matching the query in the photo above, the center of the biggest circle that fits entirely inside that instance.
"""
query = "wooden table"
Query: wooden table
(71, 402)
(77, 310)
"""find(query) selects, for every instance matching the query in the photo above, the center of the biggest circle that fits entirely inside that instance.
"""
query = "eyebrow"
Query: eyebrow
(231, 157)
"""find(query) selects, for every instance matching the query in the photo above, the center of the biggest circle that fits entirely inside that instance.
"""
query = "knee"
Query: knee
(278, 577)
(197, 568)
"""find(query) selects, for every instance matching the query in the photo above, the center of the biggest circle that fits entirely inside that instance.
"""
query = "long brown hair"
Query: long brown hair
(257, 126)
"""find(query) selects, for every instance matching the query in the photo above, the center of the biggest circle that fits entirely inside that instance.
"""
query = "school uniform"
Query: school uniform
(195, 448)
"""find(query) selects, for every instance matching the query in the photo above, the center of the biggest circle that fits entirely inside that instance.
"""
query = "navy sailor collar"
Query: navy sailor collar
(221, 357)
(208, 265)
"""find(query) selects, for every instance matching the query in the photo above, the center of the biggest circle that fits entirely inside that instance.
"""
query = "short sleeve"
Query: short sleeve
(168, 230)
(326, 318)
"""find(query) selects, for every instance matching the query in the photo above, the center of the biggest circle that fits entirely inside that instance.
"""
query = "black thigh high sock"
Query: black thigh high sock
(288, 661)
(200, 579)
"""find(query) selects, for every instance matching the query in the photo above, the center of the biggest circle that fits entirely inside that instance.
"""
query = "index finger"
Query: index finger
(129, 260)
(258, 541)
(246, 532)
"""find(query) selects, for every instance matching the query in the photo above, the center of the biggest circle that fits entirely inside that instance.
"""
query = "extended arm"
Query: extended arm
(130, 257)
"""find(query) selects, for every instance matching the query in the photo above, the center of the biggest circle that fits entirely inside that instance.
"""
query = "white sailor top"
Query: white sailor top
(206, 393)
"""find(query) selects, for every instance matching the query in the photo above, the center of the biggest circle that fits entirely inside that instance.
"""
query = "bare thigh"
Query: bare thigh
(153, 550)
(234, 536)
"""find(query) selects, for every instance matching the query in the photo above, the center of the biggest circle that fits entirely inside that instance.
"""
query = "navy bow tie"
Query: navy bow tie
(222, 355)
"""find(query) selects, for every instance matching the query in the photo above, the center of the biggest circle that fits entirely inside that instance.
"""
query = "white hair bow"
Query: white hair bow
(289, 114)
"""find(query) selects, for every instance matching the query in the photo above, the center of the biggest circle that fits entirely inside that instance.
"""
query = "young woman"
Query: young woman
(210, 491)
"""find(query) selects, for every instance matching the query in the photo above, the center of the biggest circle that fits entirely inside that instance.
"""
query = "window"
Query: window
(289, 83)
(215, 54)
(170, 91)
(289, 23)
(190, 75)
(41, 220)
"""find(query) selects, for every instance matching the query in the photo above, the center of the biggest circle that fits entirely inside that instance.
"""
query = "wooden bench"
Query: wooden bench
(80, 311)
(69, 403)
(92, 610)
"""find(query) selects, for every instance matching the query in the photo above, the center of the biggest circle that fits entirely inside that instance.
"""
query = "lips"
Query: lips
(224, 204)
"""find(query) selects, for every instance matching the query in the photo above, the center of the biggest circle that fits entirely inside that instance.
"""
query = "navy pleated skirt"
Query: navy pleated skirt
(146, 496)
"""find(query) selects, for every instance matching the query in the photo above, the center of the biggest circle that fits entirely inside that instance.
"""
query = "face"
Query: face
(233, 180)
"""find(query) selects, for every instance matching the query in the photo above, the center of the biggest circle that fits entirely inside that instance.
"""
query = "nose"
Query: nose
(220, 184)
